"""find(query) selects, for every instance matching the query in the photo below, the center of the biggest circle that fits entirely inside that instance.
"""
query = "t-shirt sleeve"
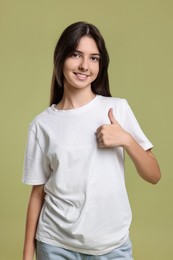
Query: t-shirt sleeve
(36, 169)
(131, 125)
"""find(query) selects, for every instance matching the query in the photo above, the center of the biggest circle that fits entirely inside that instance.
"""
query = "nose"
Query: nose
(84, 64)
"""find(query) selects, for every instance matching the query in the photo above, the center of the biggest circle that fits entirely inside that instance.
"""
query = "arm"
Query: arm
(114, 135)
(144, 161)
(34, 207)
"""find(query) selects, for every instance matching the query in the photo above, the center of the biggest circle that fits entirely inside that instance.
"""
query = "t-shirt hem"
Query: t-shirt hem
(33, 182)
(81, 250)
(147, 146)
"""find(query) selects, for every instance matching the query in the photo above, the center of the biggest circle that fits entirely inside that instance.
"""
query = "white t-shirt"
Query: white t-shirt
(86, 206)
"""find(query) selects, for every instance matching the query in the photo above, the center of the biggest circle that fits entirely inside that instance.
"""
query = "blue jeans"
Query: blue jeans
(49, 252)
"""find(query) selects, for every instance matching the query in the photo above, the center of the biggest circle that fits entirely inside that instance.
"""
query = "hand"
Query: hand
(111, 135)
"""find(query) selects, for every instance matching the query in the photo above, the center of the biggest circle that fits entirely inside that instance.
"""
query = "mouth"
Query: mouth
(81, 76)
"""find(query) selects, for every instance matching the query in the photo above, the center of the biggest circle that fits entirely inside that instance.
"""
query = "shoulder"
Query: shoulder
(114, 101)
(120, 106)
(40, 120)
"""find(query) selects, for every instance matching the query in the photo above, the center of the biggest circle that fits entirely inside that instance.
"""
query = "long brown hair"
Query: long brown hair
(65, 46)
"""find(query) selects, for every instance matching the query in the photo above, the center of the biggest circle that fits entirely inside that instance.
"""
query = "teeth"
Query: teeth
(81, 76)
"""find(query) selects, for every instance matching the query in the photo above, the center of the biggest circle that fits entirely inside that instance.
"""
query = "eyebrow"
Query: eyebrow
(95, 54)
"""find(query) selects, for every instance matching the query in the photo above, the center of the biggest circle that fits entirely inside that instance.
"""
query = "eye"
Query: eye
(76, 55)
(95, 58)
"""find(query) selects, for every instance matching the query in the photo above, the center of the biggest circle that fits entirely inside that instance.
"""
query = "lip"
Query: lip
(81, 76)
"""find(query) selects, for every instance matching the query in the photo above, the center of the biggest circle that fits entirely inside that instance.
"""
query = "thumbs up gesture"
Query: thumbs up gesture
(111, 135)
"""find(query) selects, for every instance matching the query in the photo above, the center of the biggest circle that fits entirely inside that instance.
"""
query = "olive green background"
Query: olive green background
(140, 43)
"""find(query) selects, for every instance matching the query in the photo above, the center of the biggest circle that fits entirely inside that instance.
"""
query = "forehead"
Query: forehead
(88, 45)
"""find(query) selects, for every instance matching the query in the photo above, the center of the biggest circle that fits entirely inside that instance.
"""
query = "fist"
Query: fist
(111, 135)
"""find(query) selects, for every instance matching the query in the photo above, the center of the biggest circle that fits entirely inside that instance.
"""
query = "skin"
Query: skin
(80, 70)
(34, 207)
(113, 135)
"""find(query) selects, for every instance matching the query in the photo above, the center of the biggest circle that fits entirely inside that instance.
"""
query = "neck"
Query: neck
(76, 99)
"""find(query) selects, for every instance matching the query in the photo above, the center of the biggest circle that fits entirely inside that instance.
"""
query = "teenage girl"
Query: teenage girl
(79, 207)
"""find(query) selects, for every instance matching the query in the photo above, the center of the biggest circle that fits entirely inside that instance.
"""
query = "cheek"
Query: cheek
(97, 70)
(94, 66)
(66, 67)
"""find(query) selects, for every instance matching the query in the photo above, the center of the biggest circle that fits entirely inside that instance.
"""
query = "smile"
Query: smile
(81, 76)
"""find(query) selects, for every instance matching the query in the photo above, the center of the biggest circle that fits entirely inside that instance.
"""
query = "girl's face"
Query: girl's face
(82, 67)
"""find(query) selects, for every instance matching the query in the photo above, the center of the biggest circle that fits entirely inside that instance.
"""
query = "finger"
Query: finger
(99, 135)
(101, 144)
(111, 116)
(100, 129)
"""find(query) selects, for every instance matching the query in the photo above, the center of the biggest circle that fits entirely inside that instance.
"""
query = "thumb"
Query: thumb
(111, 116)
